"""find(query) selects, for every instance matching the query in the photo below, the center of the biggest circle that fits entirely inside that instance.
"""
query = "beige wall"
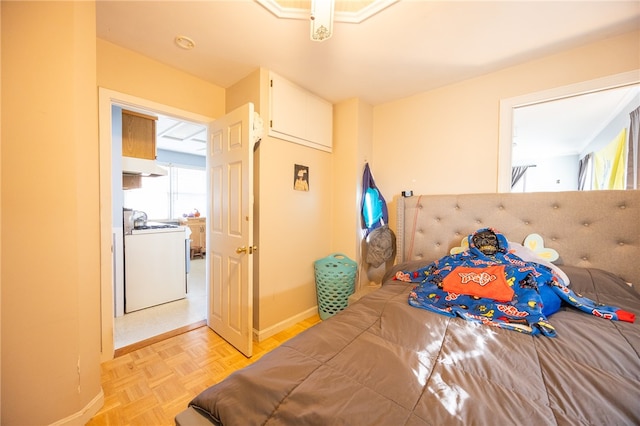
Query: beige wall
(51, 66)
(128, 72)
(446, 140)
(352, 133)
(0, 218)
(50, 232)
(293, 228)
(347, 174)
(247, 90)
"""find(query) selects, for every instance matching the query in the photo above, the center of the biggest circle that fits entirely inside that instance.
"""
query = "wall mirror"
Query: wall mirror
(544, 135)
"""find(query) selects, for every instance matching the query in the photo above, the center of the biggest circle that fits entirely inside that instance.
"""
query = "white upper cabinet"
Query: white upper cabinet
(299, 116)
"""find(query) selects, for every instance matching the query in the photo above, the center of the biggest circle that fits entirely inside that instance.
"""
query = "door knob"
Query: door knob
(244, 249)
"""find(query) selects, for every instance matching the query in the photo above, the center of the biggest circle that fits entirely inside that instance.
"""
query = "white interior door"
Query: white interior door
(230, 235)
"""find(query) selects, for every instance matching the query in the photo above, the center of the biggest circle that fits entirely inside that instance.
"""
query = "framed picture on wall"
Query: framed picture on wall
(300, 177)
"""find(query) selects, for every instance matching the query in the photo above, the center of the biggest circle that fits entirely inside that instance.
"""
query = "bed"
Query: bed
(383, 362)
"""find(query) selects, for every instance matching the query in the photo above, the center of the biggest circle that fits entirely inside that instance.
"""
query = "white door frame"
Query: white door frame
(107, 98)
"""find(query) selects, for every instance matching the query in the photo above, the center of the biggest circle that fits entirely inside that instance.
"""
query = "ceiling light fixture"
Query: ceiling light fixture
(321, 19)
(185, 42)
(325, 12)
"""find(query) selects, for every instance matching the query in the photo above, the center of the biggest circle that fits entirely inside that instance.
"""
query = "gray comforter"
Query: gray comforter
(383, 362)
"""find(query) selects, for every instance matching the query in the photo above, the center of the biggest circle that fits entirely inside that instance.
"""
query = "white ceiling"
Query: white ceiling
(408, 48)
(181, 136)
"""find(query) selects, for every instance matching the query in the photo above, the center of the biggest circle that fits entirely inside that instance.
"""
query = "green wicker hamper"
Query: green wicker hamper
(335, 282)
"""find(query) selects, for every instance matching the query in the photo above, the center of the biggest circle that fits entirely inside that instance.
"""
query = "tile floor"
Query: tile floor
(140, 325)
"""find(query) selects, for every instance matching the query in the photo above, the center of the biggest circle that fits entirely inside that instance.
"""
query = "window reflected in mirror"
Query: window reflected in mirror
(579, 142)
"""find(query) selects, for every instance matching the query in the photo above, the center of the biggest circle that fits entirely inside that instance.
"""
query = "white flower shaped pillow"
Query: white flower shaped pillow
(535, 243)
(464, 245)
(533, 250)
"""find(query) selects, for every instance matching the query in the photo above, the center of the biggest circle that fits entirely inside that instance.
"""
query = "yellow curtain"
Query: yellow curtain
(609, 165)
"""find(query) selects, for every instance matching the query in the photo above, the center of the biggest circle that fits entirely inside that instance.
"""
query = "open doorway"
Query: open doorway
(111, 189)
(178, 199)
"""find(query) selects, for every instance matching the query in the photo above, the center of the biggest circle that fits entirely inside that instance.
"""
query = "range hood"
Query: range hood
(142, 167)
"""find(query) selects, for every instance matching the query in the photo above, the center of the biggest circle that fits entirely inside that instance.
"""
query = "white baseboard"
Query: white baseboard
(83, 416)
(283, 325)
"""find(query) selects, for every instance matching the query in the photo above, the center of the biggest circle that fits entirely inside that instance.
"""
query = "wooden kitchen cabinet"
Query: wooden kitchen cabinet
(138, 135)
(198, 226)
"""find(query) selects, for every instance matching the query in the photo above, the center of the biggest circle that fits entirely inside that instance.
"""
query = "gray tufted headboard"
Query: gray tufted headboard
(597, 229)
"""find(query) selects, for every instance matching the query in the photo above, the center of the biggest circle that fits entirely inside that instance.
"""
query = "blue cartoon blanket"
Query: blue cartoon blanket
(490, 285)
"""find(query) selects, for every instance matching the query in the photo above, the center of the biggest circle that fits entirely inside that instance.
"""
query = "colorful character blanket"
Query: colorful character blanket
(488, 284)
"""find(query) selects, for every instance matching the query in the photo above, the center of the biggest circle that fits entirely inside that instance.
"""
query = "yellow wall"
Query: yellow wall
(352, 135)
(293, 227)
(50, 231)
(247, 90)
(0, 218)
(128, 72)
(446, 140)
(51, 67)
(347, 172)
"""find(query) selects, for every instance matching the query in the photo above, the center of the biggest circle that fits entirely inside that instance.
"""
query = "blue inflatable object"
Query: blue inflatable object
(372, 210)
(374, 206)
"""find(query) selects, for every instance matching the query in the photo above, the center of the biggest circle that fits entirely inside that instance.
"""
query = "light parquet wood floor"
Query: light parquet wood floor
(150, 385)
